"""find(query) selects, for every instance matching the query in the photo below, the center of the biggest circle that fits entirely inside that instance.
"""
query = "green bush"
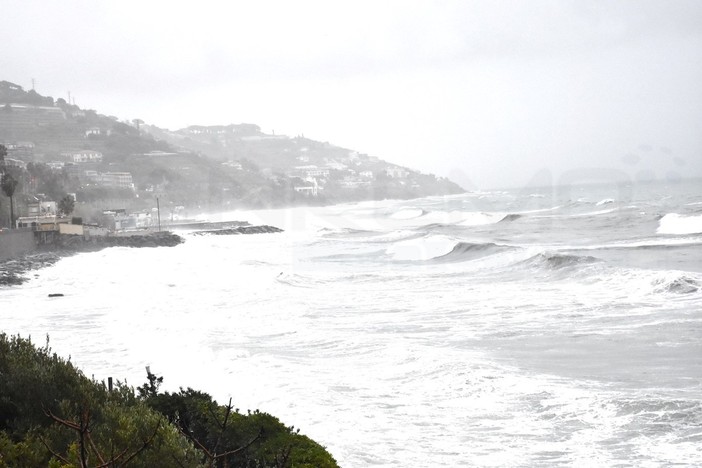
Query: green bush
(52, 415)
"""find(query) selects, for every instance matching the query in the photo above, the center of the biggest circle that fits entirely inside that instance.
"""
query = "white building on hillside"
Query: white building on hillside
(83, 156)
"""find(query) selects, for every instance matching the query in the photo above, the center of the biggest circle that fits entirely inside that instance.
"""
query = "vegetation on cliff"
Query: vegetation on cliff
(52, 415)
(196, 168)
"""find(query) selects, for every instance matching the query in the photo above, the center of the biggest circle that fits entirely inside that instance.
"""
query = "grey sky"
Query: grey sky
(492, 93)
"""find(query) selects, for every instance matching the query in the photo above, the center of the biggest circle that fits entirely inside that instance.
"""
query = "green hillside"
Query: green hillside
(55, 148)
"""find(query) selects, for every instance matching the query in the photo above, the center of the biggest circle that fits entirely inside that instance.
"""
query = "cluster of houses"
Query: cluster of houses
(315, 177)
(44, 217)
(80, 164)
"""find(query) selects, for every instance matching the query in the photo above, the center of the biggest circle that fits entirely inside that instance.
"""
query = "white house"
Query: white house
(310, 190)
(117, 180)
(396, 172)
(83, 156)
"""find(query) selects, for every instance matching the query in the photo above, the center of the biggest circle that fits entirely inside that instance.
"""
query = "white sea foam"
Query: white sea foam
(651, 242)
(606, 201)
(592, 213)
(674, 223)
(442, 217)
(391, 360)
(409, 213)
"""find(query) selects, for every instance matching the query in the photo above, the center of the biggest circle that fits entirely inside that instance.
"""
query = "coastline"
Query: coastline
(15, 271)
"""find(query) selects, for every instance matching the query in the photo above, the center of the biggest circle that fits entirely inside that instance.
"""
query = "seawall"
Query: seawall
(16, 242)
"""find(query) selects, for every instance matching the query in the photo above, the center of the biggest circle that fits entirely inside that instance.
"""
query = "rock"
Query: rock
(263, 229)
(13, 271)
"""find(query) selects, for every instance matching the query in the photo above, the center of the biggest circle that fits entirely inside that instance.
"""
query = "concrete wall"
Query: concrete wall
(15, 242)
(74, 229)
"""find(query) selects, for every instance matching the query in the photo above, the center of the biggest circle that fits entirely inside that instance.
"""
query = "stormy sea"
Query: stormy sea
(559, 326)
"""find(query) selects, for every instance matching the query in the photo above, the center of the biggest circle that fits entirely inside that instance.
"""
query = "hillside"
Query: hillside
(56, 148)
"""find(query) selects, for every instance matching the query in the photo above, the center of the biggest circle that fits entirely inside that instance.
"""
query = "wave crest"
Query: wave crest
(408, 213)
(558, 261)
(674, 223)
(464, 251)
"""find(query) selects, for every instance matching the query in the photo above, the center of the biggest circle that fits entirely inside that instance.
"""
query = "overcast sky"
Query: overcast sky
(490, 93)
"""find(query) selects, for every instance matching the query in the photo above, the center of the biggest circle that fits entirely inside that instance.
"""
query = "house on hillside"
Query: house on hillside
(95, 131)
(117, 180)
(11, 162)
(396, 172)
(6, 85)
(311, 188)
(336, 165)
(56, 165)
(312, 171)
(20, 150)
(82, 156)
(234, 165)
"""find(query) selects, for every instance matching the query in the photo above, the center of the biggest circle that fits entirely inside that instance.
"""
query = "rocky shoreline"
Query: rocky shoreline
(15, 271)
(263, 229)
(91, 244)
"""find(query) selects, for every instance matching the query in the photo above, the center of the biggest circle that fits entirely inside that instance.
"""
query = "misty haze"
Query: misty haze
(350, 234)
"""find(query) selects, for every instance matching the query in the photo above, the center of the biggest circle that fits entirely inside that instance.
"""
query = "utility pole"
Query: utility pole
(158, 212)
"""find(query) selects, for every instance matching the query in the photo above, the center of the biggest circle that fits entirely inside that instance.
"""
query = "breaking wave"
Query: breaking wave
(557, 261)
(674, 223)
(408, 213)
(422, 248)
(679, 285)
(464, 251)
(480, 219)
(510, 217)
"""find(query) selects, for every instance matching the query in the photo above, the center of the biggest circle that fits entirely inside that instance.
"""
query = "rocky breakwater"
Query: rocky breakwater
(263, 229)
(93, 243)
(15, 271)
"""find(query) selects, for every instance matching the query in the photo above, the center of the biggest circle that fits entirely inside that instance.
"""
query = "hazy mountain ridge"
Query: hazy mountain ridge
(202, 167)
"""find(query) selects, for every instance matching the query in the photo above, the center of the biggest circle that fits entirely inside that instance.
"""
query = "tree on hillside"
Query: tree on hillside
(66, 205)
(52, 415)
(3, 153)
(227, 438)
(8, 186)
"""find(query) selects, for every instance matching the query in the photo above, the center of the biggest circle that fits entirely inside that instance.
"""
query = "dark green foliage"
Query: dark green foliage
(52, 415)
(8, 184)
(32, 379)
(66, 205)
(229, 438)
(47, 181)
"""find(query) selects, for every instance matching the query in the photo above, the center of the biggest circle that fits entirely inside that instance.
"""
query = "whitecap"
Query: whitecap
(674, 223)
(480, 219)
(408, 213)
